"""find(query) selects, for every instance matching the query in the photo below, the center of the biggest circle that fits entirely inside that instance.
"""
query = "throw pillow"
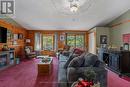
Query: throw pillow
(78, 51)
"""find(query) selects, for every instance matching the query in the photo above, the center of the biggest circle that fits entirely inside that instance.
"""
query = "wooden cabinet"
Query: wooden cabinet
(120, 61)
(117, 60)
(7, 58)
(114, 61)
(125, 61)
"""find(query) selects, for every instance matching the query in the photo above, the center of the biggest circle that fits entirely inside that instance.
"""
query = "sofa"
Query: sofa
(77, 66)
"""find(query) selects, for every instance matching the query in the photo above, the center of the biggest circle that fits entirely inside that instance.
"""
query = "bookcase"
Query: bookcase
(7, 59)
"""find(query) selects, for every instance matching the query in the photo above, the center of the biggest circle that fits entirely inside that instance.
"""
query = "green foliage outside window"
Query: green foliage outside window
(80, 41)
(75, 40)
(47, 42)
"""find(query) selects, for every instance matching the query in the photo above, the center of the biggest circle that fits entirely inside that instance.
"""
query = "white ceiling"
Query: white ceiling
(43, 14)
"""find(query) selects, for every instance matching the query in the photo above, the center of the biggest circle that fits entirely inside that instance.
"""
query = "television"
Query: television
(3, 35)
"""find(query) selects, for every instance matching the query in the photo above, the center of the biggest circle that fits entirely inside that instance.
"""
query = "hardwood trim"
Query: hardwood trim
(117, 24)
(95, 40)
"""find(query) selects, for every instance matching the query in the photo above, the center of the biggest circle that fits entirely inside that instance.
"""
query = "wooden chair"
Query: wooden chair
(29, 53)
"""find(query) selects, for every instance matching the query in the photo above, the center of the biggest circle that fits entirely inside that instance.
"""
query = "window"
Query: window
(75, 40)
(48, 42)
(80, 41)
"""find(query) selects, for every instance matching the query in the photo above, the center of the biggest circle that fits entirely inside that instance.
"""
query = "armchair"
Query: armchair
(29, 53)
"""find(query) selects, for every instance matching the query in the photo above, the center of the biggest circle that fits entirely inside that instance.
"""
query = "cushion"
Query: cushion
(63, 58)
(70, 58)
(90, 59)
(27, 50)
(32, 53)
(77, 62)
(78, 51)
(66, 47)
(66, 53)
(71, 49)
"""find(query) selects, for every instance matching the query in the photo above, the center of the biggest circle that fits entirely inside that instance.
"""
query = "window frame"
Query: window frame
(52, 43)
(76, 34)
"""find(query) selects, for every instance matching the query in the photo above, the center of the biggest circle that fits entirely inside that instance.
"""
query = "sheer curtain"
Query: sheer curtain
(38, 41)
(38, 37)
(56, 42)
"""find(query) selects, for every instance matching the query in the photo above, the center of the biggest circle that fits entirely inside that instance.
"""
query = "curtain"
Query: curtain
(56, 41)
(38, 37)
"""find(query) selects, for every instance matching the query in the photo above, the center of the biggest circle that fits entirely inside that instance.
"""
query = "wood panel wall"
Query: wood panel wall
(29, 34)
(19, 49)
(61, 44)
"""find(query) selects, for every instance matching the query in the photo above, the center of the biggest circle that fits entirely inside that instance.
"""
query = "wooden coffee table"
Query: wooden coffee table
(45, 68)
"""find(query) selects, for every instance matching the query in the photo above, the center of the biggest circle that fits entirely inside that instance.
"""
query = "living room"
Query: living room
(55, 46)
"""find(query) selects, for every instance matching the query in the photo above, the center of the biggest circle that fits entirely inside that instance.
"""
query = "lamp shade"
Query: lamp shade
(28, 40)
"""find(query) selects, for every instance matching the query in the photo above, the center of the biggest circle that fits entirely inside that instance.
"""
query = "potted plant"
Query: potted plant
(90, 76)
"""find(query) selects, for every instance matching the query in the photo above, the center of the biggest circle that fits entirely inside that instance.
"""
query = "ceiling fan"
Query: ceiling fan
(72, 6)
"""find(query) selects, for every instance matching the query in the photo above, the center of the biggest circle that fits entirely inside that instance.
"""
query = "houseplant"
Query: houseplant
(88, 81)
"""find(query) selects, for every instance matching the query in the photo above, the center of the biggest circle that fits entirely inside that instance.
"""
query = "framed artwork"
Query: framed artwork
(103, 39)
(126, 46)
(9, 35)
(20, 36)
(27, 40)
(15, 42)
(62, 37)
(15, 36)
(126, 38)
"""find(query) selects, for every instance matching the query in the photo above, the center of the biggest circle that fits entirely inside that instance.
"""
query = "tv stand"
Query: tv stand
(7, 59)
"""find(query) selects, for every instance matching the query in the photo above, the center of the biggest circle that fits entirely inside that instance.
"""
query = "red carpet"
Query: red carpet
(115, 81)
(25, 75)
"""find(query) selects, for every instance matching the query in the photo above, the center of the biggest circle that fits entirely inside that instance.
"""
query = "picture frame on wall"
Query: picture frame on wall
(126, 46)
(9, 35)
(126, 38)
(62, 37)
(20, 36)
(103, 39)
(15, 36)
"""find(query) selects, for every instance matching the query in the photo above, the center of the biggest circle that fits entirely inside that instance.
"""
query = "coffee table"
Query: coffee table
(45, 68)
(41, 56)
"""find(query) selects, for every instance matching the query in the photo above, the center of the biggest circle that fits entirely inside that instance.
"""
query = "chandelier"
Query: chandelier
(72, 6)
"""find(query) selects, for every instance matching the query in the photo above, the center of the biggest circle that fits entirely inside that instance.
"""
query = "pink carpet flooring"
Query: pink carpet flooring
(25, 75)
(115, 81)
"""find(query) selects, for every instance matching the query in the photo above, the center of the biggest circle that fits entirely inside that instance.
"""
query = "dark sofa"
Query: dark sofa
(77, 66)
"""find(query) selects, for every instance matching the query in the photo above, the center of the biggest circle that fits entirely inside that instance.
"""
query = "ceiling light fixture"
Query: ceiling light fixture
(74, 8)
(74, 5)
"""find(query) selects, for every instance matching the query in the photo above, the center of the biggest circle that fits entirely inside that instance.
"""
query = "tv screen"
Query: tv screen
(3, 35)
